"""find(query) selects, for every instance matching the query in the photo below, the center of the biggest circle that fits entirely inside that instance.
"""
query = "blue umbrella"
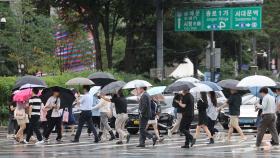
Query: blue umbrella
(213, 85)
(255, 91)
(156, 90)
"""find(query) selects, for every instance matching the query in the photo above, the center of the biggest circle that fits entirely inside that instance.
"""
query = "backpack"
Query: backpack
(154, 110)
(19, 114)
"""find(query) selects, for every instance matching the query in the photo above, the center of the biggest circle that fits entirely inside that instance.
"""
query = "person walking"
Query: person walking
(35, 104)
(85, 104)
(22, 119)
(105, 113)
(95, 115)
(144, 116)
(268, 121)
(212, 113)
(234, 102)
(121, 115)
(155, 109)
(187, 103)
(54, 116)
(179, 111)
(202, 106)
(278, 110)
(12, 125)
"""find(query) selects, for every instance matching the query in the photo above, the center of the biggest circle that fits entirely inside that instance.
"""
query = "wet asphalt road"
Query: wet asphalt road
(106, 149)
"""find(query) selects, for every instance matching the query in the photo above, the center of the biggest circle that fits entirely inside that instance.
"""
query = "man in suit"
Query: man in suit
(144, 116)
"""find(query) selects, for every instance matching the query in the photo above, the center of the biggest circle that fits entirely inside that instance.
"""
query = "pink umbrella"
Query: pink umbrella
(23, 95)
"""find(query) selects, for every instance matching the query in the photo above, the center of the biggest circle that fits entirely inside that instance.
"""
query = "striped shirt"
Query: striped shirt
(36, 103)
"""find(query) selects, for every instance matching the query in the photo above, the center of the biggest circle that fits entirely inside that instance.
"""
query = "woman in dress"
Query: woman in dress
(212, 112)
(22, 118)
(155, 109)
(202, 105)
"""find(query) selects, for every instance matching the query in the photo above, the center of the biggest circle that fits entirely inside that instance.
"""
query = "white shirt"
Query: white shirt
(54, 101)
(86, 102)
(212, 112)
(268, 105)
(103, 106)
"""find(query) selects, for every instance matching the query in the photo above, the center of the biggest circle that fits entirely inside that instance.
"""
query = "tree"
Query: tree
(28, 36)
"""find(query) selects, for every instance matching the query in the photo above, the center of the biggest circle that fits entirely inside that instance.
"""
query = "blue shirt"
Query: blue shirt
(86, 102)
(95, 112)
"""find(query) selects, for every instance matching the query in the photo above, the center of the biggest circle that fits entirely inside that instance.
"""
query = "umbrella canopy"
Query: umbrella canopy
(113, 87)
(213, 85)
(137, 84)
(156, 90)
(179, 86)
(255, 91)
(79, 81)
(188, 79)
(22, 95)
(29, 79)
(101, 78)
(229, 84)
(66, 96)
(94, 90)
(28, 85)
(256, 81)
(200, 87)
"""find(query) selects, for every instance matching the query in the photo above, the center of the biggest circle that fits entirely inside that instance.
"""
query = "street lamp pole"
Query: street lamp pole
(160, 60)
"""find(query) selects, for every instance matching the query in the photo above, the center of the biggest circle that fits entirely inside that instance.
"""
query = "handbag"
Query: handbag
(19, 114)
(65, 117)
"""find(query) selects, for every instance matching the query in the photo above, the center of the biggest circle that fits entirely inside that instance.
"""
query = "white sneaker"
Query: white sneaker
(25, 142)
(169, 133)
(39, 142)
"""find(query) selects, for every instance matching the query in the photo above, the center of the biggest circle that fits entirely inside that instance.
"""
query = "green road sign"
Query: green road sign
(208, 19)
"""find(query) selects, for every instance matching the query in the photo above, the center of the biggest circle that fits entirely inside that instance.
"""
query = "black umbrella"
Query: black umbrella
(179, 86)
(66, 96)
(101, 78)
(29, 80)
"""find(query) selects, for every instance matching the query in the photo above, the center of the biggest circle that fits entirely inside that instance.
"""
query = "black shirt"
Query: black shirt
(234, 102)
(176, 105)
(189, 109)
(120, 104)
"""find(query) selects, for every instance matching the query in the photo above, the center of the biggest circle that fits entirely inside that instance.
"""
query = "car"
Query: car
(248, 114)
(166, 118)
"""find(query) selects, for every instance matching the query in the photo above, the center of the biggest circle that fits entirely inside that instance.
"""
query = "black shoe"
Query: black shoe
(185, 147)
(119, 142)
(96, 140)
(140, 146)
(193, 142)
(273, 143)
(75, 141)
(211, 141)
(127, 138)
(112, 136)
(154, 141)
(100, 135)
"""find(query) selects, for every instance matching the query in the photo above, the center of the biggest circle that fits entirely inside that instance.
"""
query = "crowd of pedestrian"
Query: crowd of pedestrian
(32, 117)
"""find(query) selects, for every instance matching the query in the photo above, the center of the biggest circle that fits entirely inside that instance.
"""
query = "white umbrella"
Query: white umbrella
(200, 87)
(256, 81)
(79, 81)
(137, 84)
(94, 90)
(188, 79)
(156, 90)
(28, 85)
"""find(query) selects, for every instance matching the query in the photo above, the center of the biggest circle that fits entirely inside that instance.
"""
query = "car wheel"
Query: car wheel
(132, 131)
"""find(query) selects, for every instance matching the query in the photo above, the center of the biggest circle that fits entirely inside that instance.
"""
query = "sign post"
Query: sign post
(218, 19)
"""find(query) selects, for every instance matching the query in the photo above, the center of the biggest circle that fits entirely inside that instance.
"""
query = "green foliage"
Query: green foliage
(28, 37)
